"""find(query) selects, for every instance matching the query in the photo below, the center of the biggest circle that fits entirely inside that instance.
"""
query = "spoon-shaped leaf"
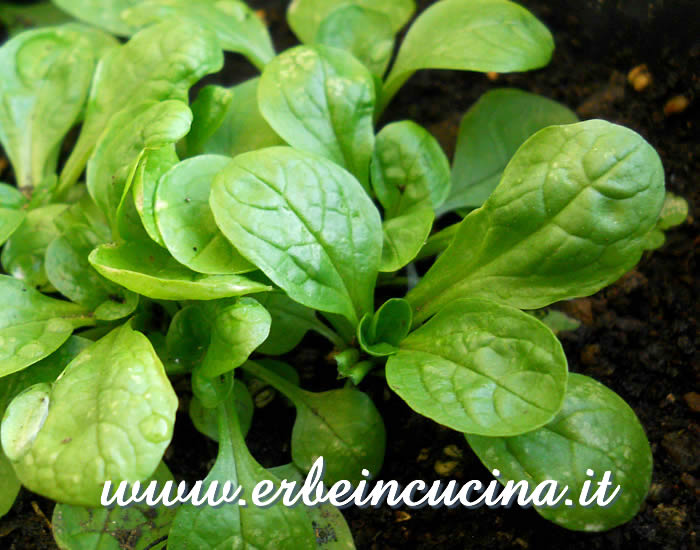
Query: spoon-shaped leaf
(146, 125)
(321, 100)
(237, 27)
(232, 525)
(81, 528)
(569, 217)
(305, 16)
(343, 426)
(32, 326)
(490, 134)
(186, 222)
(595, 430)
(306, 223)
(474, 35)
(46, 75)
(160, 62)
(146, 268)
(481, 367)
(109, 416)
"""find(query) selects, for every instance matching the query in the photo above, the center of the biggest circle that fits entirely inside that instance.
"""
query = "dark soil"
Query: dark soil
(639, 336)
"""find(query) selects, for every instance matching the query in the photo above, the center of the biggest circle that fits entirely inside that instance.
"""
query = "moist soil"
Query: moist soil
(638, 336)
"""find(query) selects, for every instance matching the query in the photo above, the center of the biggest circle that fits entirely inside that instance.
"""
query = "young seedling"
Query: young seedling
(188, 242)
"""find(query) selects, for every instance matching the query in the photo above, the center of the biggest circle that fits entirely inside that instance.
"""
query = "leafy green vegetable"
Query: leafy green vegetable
(11, 213)
(243, 128)
(46, 370)
(483, 368)
(32, 326)
(147, 269)
(343, 426)
(236, 331)
(305, 16)
(69, 271)
(321, 100)
(61, 448)
(332, 531)
(474, 35)
(160, 62)
(206, 420)
(23, 254)
(185, 220)
(46, 75)
(568, 218)
(146, 125)
(380, 334)
(673, 212)
(209, 111)
(235, 24)
(490, 134)
(304, 222)
(234, 526)
(595, 430)
(365, 33)
(80, 528)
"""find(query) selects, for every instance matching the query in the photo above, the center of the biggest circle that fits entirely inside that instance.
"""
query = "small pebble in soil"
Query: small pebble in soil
(423, 455)
(693, 400)
(452, 451)
(639, 77)
(445, 467)
(676, 105)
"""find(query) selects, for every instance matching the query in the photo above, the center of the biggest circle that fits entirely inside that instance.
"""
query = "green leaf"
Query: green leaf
(380, 334)
(11, 211)
(409, 168)
(109, 416)
(366, 33)
(209, 111)
(290, 322)
(159, 63)
(32, 325)
(596, 430)
(243, 128)
(305, 16)
(236, 332)
(404, 236)
(46, 75)
(235, 24)
(341, 425)
(474, 35)
(46, 370)
(105, 14)
(481, 367)
(69, 271)
(306, 223)
(146, 268)
(23, 254)
(569, 217)
(18, 18)
(490, 134)
(331, 529)
(556, 321)
(231, 525)
(143, 126)
(321, 100)
(206, 420)
(674, 212)
(188, 336)
(186, 222)
(152, 165)
(80, 528)
(9, 485)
